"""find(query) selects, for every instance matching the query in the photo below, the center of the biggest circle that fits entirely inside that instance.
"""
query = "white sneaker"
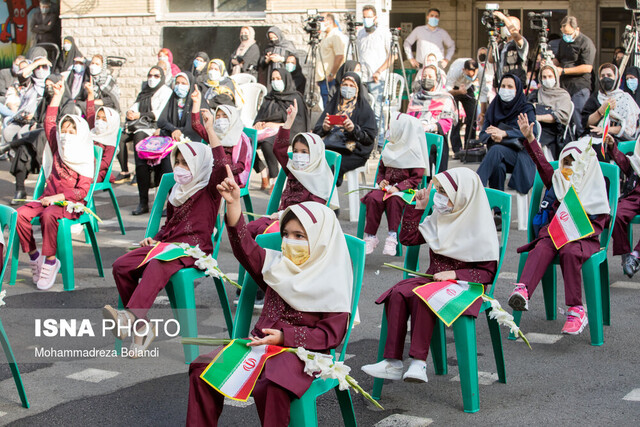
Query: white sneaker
(370, 244)
(123, 321)
(390, 246)
(36, 266)
(390, 369)
(417, 372)
(48, 274)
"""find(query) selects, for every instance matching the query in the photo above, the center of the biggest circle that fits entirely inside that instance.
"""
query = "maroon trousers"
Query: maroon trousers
(139, 287)
(628, 207)
(49, 217)
(393, 206)
(205, 403)
(259, 226)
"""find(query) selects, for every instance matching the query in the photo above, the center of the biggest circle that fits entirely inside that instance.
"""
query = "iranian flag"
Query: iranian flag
(406, 195)
(449, 299)
(163, 252)
(570, 222)
(606, 124)
(235, 370)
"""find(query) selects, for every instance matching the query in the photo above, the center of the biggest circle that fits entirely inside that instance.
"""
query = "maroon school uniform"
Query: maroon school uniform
(628, 207)
(401, 302)
(292, 193)
(107, 151)
(402, 179)
(192, 222)
(62, 180)
(283, 377)
(542, 251)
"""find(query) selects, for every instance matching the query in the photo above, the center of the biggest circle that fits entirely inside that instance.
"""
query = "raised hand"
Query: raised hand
(88, 86)
(207, 118)
(229, 189)
(422, 198)
(196, 98)
(292, 111)
(525, 127)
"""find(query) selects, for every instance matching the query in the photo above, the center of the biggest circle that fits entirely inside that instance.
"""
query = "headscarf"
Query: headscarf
(197, 73)
(346, 106)
(275, 104)
(407, 146)
(507, 112)
(243, 47)
(200, 161)
(145, 95)
(233, 134)
(557, 98)
(626, 111)
(317, 176)
(634, 71)
(175, 104)
(110, 136)
(282, 42)
(467, 233)
(174, 68)
(323, 283)
(65, 60)
(102, 79)
(442, 100)
(223, 72)
(77, 155)
(349, 65)
(587, 178)
(298, 77)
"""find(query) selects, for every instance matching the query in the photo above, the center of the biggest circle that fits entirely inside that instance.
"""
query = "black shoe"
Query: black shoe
(20, 194)
(141, 209)
(497, 219)
(134, 181)
(630, 265)
(4, 149)
(457, 155)
(122, 178)
(164, 213)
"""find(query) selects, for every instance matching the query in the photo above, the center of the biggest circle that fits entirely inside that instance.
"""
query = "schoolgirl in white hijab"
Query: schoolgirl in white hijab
(105, 132)
(200, 161)
(75, 151)
(407, 145)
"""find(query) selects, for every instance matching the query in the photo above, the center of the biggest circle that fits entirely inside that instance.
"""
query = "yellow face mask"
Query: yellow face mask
(566, 172)
(296, 250)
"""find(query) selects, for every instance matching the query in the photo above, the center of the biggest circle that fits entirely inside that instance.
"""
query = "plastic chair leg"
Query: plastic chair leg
(116, 207)
(464, 332)
(93, 222)
(362, 218)
(591, 278)
(181, 293)
(248, 205)
(118, 344)
(304, 412)
(605, 292)
(439, 349)
(379, 382)
(96, 249)
(498, 351)
(15, 254)
(517, 317)
(346, 408)
(549, 292)
(8, 352)
(224, 302)
(65, 255)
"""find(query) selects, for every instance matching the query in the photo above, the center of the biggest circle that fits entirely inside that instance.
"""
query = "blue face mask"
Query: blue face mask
(468, 77)
(632, 84)
(78, 68)
(347, 92)
(568, 38)
(433, 21)
(181, 91)
(197, 64)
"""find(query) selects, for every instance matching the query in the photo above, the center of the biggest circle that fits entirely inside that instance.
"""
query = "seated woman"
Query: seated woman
(352, 66)
(246, 56)
(175, 119)
(292, 65)
(402, 164)
(105, 127)
(631, 76)
(354, 138)
(165, 56)
(579, 168)
(463, 245)
(199, 67)
(308, 290)
(553, 108)
(436, 109)
(272, 114)
(218, 88)
(504, 140)
(105, 87)
(228, 128)
(623, 112)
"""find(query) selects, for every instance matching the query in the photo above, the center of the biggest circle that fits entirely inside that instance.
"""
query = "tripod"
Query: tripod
(630, 40)
(311, 62)
(351, 47)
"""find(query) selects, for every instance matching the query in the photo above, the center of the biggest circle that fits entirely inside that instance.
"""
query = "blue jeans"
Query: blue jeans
(579, 99)
(324, 90)
(377, 89)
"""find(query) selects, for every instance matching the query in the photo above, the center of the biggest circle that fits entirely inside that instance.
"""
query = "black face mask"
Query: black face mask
(244, 37)
(607, 83)
(273, 42)
(482, 57)
(48, 91)
(427, 84)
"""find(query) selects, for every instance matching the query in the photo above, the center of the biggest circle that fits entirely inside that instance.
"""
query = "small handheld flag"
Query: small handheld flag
(449, 299)
(606, 123)
(570, 222)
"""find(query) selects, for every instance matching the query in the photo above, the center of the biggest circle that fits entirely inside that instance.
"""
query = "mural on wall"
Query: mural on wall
(15, 37)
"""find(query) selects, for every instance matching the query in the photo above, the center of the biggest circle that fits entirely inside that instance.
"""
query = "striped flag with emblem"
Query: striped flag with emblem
(406, 195)
(606, 124)
(449, 299)
(164, 252)
(570, 222)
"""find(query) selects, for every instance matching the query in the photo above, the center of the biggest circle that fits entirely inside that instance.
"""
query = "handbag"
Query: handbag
(336, 140)
(143, 122)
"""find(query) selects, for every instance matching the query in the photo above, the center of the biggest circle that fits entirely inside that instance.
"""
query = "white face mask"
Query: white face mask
(506, 95)
(153, 82)
(277, 85)
(66, 47)
(95, 69)
(214, 75)
(300, 160)
(163, 59)
(42, 73)
(182, 176)
(68, 141)
(441, 204)
(549, 83)
(101, 127)
(221, 125)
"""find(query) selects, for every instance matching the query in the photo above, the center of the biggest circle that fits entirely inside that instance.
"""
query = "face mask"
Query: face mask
(506, 95)
(42, 73)
(607, 83)
(347, 92)
(441, 204)
(504, 32)
(323, 27)
(214, 75)
(428, 84)
(164, 59)
(221, 125)
(433, 21)
(181, 91)
(44, 10)
(182, 176)
(101, 127)
(568, 38)
(482, 57)
(197, 64)
(632, 84)
(66, 47)
(244, 37)
(468, 77)
(48, 90)
(95, 69)
(277, 85)
(15, 68)
(300, 160)
(78, 68)
(296, 250)
(368, 22)
(567, 172)
(290, 67)
(153, 82)
(549, 83)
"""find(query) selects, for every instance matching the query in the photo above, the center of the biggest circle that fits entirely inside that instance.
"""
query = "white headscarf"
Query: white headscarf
(317, 176)
(407, 146)
(626, 111)
(77, 153)
(635, 158)
(467, 233)
(587, 178)
(324, 282)
(200, 161)
(232, 136)
(110, 136)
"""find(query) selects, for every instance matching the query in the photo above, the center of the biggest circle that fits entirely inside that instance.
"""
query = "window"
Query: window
(217, 5)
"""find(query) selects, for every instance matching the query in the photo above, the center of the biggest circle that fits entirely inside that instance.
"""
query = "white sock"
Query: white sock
(393, 234)
(635, 254)
(420, 363)
(368, 235)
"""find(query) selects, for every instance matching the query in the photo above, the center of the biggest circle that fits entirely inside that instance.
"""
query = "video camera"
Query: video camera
(352, 24)
(489, 20)
(540, 21)
(312, 23)
(632, 5)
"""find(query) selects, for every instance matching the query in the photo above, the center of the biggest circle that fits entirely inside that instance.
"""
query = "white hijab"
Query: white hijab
(232, 136)
(635, 158)
(77, 153)
(317, 176)
(587, 178)
(407, 146)
(467, 233)
(324, 282)
(110, 136)
(200, 161)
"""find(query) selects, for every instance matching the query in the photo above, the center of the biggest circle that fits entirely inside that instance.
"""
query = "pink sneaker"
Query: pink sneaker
(576, 321)
(519, 298)
(390, 246)
(370, 244)
(36, 266)
(48, 274)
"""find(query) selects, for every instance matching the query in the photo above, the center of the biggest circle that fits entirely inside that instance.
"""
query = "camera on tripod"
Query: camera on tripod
(489, 20)
(312, 23)
(352, 24)
(540, 23)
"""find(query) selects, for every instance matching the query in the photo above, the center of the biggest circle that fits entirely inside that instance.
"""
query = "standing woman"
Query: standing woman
(69, 52)
(165, 56)
(245, 58)
(175, 120)
(149, 104)
(105, 87)
(218, 88)
(276, 52)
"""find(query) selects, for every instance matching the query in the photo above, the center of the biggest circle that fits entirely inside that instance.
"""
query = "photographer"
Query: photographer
(513, 49)
(332, 49)
(461, 80)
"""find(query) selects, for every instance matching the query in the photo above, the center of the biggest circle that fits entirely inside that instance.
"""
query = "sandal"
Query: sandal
(137, 350)
(121, 318)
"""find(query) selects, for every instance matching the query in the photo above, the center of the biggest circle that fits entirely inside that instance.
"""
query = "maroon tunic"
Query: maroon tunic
(401, 303)
(107, 151)
(62, 180)
(542, 251)
(628, 207)
(283, 374)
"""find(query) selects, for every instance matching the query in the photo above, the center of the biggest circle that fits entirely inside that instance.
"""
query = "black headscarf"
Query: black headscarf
(46, 99)
(350, 66)
(507, 112)
(299, 78)
(68, 86)
(144, 97)
(65, 61)
(172, 105)
(634, 71)
(204, 56)
(275, 104)
(282, 42)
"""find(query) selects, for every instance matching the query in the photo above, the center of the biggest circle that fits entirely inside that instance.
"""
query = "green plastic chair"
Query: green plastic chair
(9, 219)
(595, 271)
(627, 147)
(244, 191)
(464, 328)
(105, 185)
(64, 250)
(180, 289)
(304, 410)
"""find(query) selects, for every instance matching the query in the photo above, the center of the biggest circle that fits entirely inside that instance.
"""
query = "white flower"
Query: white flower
(207, 263)
(514, 329)
(325, 366)
(2, 295)
(74, 207)
(341, 371)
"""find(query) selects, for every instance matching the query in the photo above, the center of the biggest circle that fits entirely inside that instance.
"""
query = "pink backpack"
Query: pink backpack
(155, 148)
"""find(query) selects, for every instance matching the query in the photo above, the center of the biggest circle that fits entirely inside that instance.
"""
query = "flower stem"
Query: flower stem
(359, 389)
(214, 342)
(406, 270)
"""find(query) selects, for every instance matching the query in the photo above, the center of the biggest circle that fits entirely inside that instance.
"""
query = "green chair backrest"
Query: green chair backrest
(273, 241)
(107, 177)
(333, 159)
(166, 184)
(626, 147)
(8, 219)
(436, 140)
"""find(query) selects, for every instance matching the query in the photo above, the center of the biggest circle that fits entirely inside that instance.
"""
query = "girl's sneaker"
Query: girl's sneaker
(576, 321)
(417, 372)
(390, 245)
(36, 266)
(48, 274)
(370, 244)
(390, 369)
(519, 298)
